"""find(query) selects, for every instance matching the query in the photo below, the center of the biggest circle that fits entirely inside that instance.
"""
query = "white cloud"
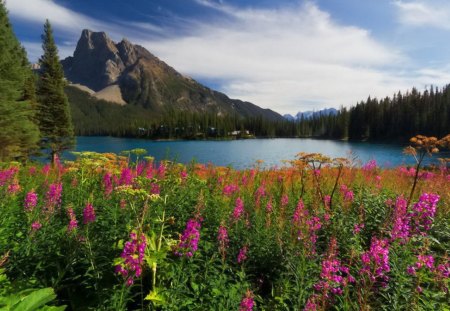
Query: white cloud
(287, 59)
(39, 10)
(434, 14)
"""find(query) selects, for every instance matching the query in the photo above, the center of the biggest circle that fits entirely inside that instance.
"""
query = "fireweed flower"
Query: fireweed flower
(30, 201)
(73, 223)
(189, 239)
(401, 228)
(126, 177)
(375, 262)
(108, 184)
(53, 196)
(238, 209)
(222, 238)
(161, 170)
(327, 201)
(370, 166)
(132, 258)
(155, 189)
(228, 190)
(7, 175)
(35, 226)
(347, 193)
(242, 256)
(247, 302)
(423, 212)
(88, 214)
(299, 213)
(183, 175)
(357, 228)
(269, 207)
(13, 188)
(284, 200)
(334, 277)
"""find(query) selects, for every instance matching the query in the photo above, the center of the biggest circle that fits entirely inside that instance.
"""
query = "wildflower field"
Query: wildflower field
(108, 233)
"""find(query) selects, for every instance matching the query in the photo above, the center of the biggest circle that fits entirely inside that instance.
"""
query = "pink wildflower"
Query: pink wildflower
(247, 303)
(31, 199)
(424, 211)
(242, 256)
(35, 226)
(375, 262)
(73, 223)
(88, 214)
(284, 200)
(401, 228)
(189, 239)
(133, 258)
(238, 209)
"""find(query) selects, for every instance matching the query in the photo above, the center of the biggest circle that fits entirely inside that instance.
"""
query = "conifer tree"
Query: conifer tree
(19, 134)
(53, 107)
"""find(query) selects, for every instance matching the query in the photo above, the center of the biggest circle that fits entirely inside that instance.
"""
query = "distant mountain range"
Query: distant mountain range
(311, 114)
(128, 74)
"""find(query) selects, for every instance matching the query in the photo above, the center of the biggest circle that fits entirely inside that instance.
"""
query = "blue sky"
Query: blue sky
(287, 55)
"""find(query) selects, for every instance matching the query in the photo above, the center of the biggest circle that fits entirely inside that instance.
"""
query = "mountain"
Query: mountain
(311, 114)
(128, 74)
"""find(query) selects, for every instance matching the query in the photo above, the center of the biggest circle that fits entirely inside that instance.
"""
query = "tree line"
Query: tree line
(392, 118)
(34, 110)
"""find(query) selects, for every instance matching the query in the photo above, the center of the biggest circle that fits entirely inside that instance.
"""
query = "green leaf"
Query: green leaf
(35, 300)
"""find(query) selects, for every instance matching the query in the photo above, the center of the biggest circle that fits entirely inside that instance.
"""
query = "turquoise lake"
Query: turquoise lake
(244, 153)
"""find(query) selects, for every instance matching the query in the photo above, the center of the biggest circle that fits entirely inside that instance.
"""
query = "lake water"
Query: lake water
(244, 153)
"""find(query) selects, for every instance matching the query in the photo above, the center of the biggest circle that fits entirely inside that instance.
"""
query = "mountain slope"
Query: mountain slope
(146, 81)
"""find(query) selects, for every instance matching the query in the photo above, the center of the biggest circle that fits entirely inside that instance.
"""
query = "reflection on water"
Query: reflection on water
(244, 153)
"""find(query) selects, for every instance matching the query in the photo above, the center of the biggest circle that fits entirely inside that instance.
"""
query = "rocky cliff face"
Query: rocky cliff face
(145, 80)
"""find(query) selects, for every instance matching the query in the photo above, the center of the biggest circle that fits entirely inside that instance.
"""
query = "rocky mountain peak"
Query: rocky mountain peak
(132, 75)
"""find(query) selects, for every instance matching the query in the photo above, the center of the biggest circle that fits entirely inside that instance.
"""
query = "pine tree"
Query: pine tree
(19, 134)
(53, 107)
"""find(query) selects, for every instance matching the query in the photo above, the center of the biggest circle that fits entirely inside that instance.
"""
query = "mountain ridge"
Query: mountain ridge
(145, 80)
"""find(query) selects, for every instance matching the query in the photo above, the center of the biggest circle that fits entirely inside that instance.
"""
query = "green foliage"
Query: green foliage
(54, 117)
(19, 134)
(286, 257)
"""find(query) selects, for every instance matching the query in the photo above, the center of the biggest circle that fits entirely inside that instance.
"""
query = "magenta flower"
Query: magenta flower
(299, 213)
(88, 214)
(238, 209)
(375, 262)
(357, 228)
(424, 211)
(126, 177)
(31, 199)
(370, 166)
(73, 223)
(189, 239)
(425, 261)
(132, 258)
(401, 228)
(108, 184)
(269, 207)
(53, 196)
(284, 200)
(155, 189)
(7, 175)
(247, 302)
(13, 188)
(222, 236)
(242, 256)
(35, 226)
(228, 190)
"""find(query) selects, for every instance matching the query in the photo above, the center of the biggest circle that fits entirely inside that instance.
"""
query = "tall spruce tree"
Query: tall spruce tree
(19, 134)
(53, 107)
